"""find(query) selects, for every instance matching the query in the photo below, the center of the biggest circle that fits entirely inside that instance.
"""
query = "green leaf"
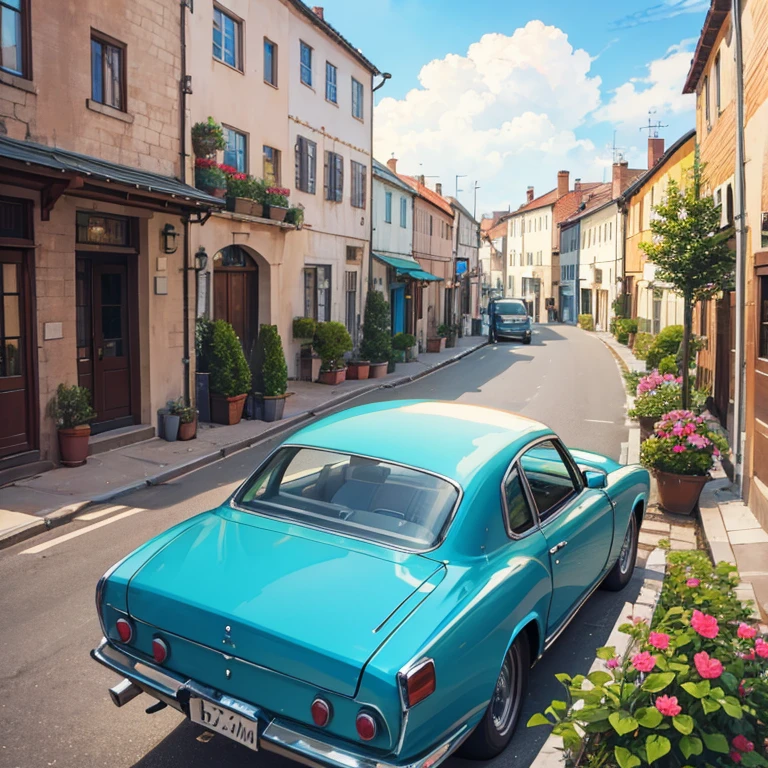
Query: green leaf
(563, 678)
(729, 681)
(625, 758)
(691, 745)
(678, 667)
(682, 640)
(716, 742)
(753, 760)
(599, 677)
(538, 719)
(683, 723)
(648, 717)
(731, 707)
(577, 681)
(572, 741)
(697, 690)
(658, 681)
(591, 715)
(656, 747)
(622, 723)
(606, 652)
(709, 705)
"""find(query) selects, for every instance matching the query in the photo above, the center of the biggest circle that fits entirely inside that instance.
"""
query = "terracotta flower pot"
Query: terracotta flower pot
(239, 205)
(333, 377)
(257, 209)
(436, 344)
(227, 410)
(73, 445)
(679, 493)
(188, 431)
(276, 213)
(358, 370)
(646, 426)
(377, 370)
(273, 407)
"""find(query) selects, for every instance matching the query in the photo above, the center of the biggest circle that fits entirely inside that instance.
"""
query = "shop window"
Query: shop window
(98, 229)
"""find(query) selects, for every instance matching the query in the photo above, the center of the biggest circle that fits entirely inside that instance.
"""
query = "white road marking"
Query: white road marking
(81, 532)
(599, 421)
(100, 513)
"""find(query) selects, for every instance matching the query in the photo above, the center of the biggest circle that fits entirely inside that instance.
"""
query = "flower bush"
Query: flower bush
(207, 138)
(587, 322)
(656, 396)
(683, 444)
(643, 342)
(208, 174)
(277, 197)
(691, 690)
(655, 379)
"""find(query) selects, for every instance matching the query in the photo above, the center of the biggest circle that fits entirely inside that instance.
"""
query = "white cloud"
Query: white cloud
(660, 90)
(504, 113)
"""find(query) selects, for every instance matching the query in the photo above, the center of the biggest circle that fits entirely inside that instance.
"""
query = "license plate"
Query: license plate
(510, 319)
(224, 721)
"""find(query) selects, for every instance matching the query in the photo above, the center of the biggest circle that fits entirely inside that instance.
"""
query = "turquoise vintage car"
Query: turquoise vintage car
(375, 593)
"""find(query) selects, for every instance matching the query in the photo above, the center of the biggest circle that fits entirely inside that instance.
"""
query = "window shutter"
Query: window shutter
(327, 175)
(339, 178)
(311, 164)
(299, 162)
(364, 186)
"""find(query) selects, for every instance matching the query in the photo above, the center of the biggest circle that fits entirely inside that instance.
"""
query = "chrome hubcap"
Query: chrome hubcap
(625, 556)
(506, 697)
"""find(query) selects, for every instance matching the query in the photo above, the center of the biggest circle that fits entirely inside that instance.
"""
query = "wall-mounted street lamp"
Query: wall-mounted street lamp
(201, 259)
(169, 235)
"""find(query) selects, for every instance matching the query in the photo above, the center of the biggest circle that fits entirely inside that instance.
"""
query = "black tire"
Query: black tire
(621, 573)
(527, 340)
(491, 338)
(494, 732)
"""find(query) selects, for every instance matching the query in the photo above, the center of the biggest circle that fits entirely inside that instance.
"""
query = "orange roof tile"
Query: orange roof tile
(429, 195)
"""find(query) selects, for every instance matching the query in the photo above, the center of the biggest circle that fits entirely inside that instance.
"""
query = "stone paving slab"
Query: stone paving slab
(649, 539)
(737, 516)
(758, 536)
(683, 534)
(653, 526)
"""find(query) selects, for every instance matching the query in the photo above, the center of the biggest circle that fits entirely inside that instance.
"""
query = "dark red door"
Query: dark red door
(15, 363)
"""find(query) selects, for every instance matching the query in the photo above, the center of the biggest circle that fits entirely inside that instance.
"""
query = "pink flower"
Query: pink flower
(749, 655)
(704, 624)
(659, 640)
(743, 744)
(761, 648)
(668, 705)
(678, 429)
(679, 448)
(745, 632)
(643, 662)
(698, 441)
(708, 668)
(693, 582)
(613, 663)
(736, 757)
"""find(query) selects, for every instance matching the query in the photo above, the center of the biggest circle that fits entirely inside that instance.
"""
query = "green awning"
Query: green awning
(406, 266)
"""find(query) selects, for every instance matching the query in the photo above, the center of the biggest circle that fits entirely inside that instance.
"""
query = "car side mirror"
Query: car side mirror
(595, 480)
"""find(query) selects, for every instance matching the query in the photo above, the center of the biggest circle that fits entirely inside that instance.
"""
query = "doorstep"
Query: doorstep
(117, 438)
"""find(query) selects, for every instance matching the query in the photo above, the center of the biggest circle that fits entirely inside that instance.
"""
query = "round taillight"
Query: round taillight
(124, 629)
(159, 650)
(366, 726)
(321, 712)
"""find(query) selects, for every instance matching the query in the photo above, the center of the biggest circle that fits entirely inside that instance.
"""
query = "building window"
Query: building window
(306, 165)
(235, 153)
(14, 37)
(306, 64)
(763, 317)
(717, 84)
(538, 258)
(334, 177)
(317, 293)
(403, 212)
(98, 229)
(272, 166)
(358, 187)
(270, 62)
(388, 207)
(107, 72)
(354, 254)
(330, 82)
(357, 99)
(226, 39)
(350, 314)
(11, 321)
(705, 91)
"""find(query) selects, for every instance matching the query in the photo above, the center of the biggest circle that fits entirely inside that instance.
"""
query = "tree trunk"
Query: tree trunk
(686, 346)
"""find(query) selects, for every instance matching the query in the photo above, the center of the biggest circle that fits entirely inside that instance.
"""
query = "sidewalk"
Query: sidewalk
(30, 506)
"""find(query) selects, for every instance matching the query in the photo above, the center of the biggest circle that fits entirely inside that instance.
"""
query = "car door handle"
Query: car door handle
(558, 547)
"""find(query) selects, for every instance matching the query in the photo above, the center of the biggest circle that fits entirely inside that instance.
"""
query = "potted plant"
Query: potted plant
(332, 340)
(452, 334)
(437, 343)
(209, 177)
(172, 419)
(71, 408)
(188, 423)
(309, 363)
(402, 344)
(230, 375)
(358, 368)
(377, 341)
(276, 203)
(680, 454)
(295, 216)
(239, 193)
(272, 379)
(656, 395)
(207, 138)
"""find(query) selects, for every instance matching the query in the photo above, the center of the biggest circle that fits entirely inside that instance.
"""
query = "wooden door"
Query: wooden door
(111, 360)
(16, 390)
(235, 299)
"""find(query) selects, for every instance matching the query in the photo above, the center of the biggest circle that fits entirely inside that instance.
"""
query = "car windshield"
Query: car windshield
(509, 308)
(352, 495)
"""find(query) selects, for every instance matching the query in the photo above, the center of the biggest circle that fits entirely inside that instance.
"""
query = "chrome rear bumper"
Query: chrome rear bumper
(280, 736)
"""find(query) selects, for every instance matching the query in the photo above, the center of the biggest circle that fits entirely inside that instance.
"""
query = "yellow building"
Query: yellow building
(654, 304)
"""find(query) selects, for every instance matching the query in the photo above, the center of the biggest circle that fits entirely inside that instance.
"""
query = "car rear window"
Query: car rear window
(509, 308)
(352, 495)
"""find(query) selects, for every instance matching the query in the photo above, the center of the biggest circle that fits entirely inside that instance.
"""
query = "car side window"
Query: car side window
(519, 513)
(549, 477)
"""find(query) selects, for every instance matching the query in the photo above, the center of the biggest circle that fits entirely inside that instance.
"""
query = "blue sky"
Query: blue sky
(641, 48)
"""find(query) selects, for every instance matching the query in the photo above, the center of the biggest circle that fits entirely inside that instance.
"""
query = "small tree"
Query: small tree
(690, 251)
(377, 338)
(230, 375)
(272, 377)
(331, 341)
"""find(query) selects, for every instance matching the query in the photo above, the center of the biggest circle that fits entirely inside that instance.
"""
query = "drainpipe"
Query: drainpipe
(385, 76)
(183, 179)
(737, 438)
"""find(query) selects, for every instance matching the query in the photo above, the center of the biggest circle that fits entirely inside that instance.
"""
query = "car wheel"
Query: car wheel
(491, 338)
(527, 340)
(495, 730)
(624, 567)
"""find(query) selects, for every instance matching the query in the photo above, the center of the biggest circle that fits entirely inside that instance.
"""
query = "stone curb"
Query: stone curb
(551, 753)
(68, 513)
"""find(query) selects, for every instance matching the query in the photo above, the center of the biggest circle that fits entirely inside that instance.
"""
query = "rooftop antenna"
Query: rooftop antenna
(617, 153)
(474, 210)
(459, 176)
(653, 128)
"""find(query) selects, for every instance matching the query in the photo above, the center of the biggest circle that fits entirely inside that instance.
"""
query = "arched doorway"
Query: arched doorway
(236, 292)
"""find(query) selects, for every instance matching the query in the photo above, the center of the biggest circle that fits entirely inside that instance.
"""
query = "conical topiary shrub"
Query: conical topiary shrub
(377, 337)
(271, 376)
(229, 374)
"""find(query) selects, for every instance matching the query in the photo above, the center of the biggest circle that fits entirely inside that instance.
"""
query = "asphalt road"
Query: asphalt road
(54, 706)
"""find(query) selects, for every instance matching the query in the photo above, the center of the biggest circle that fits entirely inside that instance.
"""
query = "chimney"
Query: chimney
(562, 183)
(655, 150)
(439, 188)
(620, 178)
(577, 185)
(319, 11)
(529, 195)
(392, 164)
(421, 179)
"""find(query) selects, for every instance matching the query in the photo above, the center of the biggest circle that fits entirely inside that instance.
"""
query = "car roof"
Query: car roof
(456, 440)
